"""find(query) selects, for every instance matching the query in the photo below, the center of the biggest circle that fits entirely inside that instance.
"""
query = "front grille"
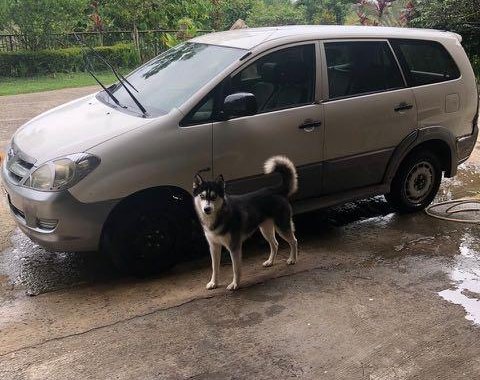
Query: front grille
(18, 164)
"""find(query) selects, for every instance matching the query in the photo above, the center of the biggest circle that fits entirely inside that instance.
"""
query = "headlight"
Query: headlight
(62, 173)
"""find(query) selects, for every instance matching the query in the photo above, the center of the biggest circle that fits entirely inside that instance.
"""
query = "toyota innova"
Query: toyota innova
(361, 111)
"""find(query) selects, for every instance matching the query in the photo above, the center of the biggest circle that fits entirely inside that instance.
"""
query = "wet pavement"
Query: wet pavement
(18, 109)
(375, 295)
(35, 271)
(465, 277)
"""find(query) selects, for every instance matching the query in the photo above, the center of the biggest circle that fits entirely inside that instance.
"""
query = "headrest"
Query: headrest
(284, 73)
(269, 72)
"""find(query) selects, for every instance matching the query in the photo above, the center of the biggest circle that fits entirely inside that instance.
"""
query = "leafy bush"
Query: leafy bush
(475, 60)
(28, 63)
(274, 14)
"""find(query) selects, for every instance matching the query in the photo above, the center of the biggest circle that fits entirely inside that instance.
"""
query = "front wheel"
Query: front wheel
(416, 182)
(144, 239)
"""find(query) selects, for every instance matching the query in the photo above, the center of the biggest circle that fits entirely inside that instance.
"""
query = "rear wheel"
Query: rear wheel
(146, 237)
(416, 182)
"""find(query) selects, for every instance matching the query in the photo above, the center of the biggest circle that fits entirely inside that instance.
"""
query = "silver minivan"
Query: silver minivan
(361, 111)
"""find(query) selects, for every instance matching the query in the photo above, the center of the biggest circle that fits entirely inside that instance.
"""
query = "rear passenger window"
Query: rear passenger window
(360, 67)
(425, 62)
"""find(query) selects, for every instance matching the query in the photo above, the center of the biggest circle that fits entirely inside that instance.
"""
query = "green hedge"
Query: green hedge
(29, 63)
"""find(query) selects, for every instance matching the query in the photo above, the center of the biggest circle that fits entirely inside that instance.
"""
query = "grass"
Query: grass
(15, 86)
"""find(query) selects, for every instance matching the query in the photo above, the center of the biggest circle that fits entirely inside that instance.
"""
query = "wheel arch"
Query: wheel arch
(173, 194)
(437, 139)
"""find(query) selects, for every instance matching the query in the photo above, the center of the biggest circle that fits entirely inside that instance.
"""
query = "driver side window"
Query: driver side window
(282, 79)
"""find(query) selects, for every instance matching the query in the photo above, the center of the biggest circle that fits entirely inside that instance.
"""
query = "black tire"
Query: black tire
(416, 182)
(147, 236)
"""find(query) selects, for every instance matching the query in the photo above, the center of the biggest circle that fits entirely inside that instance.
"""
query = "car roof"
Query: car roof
(249, 38)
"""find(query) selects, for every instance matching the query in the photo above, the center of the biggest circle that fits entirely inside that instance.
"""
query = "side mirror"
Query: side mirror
(239, 104)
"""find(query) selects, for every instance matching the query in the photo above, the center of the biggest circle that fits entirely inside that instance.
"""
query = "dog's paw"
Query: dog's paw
(291, 261)
(267, 263)
(211, 285)
(233, 286)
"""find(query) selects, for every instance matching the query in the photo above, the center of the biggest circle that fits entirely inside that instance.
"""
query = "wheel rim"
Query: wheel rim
(419, 182)
(154, 239)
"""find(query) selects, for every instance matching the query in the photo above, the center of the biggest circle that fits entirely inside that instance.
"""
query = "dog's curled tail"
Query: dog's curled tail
(283, 166)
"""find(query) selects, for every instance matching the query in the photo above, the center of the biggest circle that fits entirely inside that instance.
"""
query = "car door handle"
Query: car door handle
(403, 107)
(309, 125)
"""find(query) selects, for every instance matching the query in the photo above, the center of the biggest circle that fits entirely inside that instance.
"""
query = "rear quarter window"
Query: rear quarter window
(425, 62)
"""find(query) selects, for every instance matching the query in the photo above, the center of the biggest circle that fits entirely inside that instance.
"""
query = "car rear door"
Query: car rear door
(368, 112)
(289, 121)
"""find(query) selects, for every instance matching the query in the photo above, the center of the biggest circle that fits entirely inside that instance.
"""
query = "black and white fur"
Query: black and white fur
(229, 220)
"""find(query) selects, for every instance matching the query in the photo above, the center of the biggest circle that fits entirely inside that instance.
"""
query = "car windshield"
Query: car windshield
(170, 79)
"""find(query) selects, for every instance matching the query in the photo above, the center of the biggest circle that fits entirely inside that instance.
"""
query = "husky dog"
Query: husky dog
(228, 220)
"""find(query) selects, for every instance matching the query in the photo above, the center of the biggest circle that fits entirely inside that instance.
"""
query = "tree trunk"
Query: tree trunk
(136, 40)
(216, 15)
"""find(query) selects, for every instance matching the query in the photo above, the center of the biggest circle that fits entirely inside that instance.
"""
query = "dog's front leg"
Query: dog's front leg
(215, 253)
(236, 256)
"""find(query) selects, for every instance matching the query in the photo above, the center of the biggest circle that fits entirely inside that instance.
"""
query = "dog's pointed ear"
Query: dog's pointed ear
(197, 181)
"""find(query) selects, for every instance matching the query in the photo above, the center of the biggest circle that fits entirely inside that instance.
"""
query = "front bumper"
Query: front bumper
(56, 220)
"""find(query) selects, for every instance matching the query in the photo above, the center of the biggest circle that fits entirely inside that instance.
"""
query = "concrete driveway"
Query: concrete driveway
(18, 109)
(375, 295)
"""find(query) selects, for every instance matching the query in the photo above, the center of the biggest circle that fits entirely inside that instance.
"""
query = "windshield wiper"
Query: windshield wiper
(89, 67)
(121, 79)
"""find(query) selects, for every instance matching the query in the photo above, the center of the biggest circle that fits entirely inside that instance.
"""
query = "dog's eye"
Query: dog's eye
(202, 196)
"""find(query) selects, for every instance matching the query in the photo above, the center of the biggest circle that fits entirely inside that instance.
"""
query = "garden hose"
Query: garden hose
(455, 207)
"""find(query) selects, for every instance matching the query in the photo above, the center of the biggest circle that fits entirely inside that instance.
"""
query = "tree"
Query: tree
(95, 18)
(326, 11)
(276, 13)
(38, 20)
(447, 14)
(198, 11)
(461, 16)
(138, 15)
(385, 12)
(3, 14)
(154, 14)
(131, 14)
(232, 10)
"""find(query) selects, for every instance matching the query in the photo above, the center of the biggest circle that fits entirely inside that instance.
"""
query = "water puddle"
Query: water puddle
(465, 184)
(27, 266)
(465, 276)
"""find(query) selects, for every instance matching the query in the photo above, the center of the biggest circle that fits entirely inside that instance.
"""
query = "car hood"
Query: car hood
(73, 128)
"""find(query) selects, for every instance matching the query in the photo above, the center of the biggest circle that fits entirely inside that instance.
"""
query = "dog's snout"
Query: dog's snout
(207, 210)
